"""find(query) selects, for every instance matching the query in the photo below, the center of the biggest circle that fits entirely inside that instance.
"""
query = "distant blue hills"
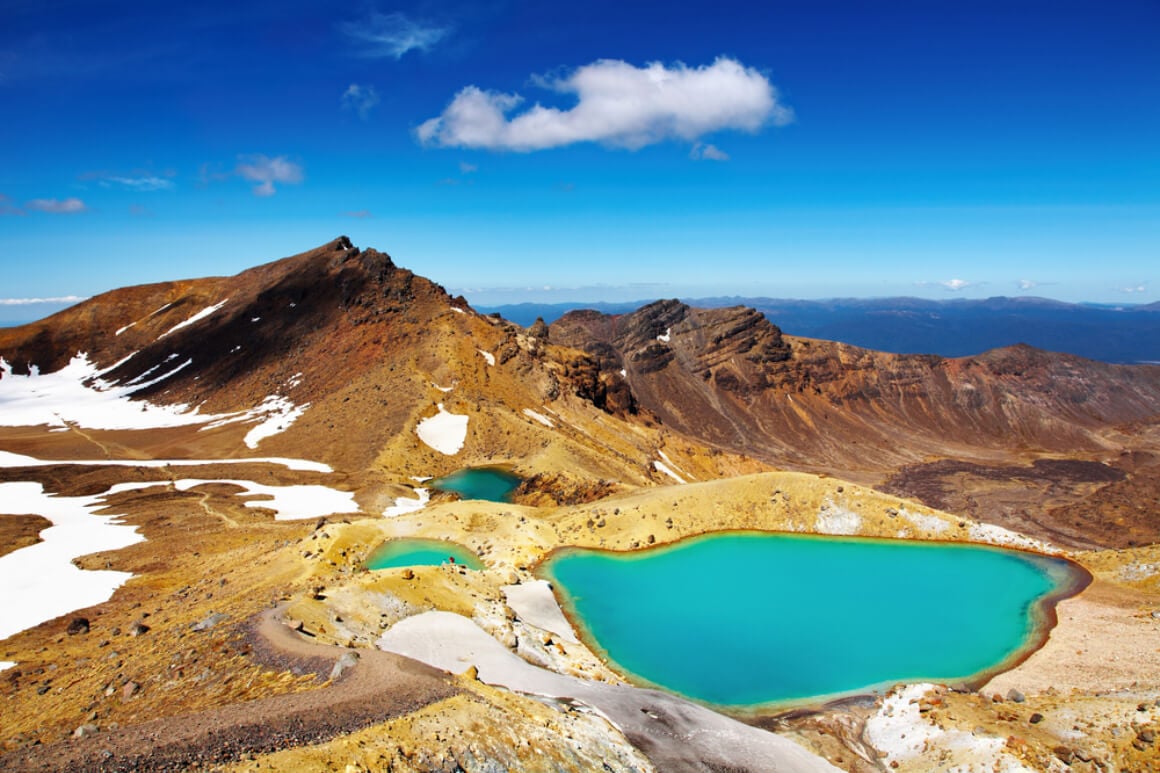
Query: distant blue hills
(951, 328)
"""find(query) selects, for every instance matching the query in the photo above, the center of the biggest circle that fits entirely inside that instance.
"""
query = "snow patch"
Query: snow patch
(623, 373)
(195, 318)
(405, 505)
(535, 604)
(673, 465)
(444, 390)
(76, 394)
(666, 337)
(6, 664)
(538, 417)
(662, 467)
(832, 519)
(289, 503)
(453, 643)
(40, 582)
(279, 414)
(139, 383)
(9, 459)
(147, 316)
(487, 356)
(445, 432)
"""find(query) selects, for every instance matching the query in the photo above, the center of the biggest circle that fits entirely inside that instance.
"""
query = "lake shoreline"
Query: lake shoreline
(1068, 579)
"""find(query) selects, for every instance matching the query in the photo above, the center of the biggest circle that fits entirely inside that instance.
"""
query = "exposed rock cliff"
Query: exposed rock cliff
(728, 376)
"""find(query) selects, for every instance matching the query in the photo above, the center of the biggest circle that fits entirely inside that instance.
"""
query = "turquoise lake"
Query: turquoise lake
(493, 484)
(746, 620)
(421, 552)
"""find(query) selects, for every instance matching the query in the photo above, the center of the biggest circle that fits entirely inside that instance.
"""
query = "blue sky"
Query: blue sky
(597, 151)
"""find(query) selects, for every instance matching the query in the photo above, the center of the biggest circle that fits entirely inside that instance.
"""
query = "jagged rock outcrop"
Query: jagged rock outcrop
(729, 377)
(354, 350)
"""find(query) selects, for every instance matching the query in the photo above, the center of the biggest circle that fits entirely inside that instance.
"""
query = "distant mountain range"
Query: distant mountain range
(954, 328)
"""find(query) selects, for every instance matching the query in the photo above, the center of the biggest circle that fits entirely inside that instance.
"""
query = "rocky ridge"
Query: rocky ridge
(729, 378)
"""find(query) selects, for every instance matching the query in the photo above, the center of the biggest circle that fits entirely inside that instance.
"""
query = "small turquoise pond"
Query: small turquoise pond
(493, 484)
(748, 620)
(421, 552)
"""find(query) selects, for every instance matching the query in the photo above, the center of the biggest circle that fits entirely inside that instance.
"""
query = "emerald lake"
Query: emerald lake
(494, 484)
(421, 552)
(748, 620)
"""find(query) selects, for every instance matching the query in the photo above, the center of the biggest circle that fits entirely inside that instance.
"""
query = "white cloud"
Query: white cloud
(953, 285)
(360, 214)
(618, 104)
(266, 171)
(1028, 284)
(467, 168)
(360, 99)
(705, 152)
(30, 301)
(145, 183)
(69, 206)
(141, 180)
(1140, 288)
(392, 35)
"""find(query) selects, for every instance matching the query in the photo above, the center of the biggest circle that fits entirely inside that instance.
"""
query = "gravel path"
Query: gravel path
(378, 686)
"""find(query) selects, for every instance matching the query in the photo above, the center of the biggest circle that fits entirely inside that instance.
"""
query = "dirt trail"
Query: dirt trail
(203, 502)
(377, 687)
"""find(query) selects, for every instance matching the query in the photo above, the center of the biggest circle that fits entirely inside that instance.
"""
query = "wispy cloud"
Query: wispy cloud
(31, 301)
(69, 206)
(467, 168)
(141, 181)
(266, 171)
(360, 99)
(705, 152)
(618, 105)
(952, 285)
(1132, 289)
(392, 35)
(361, 214)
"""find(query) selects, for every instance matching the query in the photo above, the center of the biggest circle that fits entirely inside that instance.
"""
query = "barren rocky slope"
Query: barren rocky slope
(354, 352)
(730, 378)
(338, 356)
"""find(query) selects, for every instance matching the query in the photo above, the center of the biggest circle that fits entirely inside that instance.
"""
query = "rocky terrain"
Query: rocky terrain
(263, 433)
(972, 435)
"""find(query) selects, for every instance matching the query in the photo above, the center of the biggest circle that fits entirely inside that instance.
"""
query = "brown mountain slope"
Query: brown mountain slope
(365, 351)
(730, 378)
